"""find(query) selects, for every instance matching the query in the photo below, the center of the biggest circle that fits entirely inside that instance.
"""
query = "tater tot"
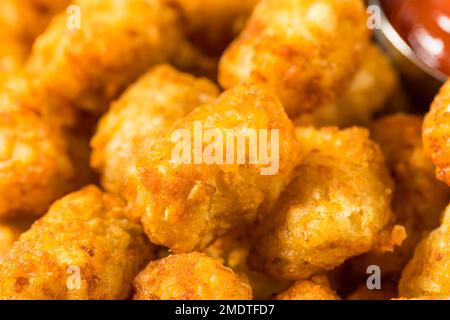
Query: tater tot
(10, 231)
(83, 68)
(419, 198)
(87, 66)
(212, 24)
(375, 82)
(8, 234)
(190, 276)
(436, 133)
(306, 51)
(83, 248)
(21, 21)
(316, 288)
(232, 250)
(40, 161)
(26, 19)
(428, 272)
(337, 207)
(12, 55)
(184, 204)
(36, 167)
(145, 110)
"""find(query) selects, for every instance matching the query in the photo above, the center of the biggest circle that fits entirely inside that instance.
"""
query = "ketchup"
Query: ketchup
(425, 26)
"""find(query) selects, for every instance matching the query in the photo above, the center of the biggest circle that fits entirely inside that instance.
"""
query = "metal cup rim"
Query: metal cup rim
(389, 32)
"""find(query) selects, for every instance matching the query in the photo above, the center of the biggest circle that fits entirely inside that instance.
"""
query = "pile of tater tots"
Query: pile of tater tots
(93, 204)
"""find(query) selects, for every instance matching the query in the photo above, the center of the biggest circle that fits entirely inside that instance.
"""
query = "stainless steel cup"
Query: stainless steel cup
(421, 81)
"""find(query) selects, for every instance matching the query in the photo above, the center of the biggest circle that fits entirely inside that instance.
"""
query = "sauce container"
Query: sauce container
(421, 80)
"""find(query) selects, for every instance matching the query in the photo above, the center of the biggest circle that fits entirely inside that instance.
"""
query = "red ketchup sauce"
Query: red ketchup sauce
(425, 26)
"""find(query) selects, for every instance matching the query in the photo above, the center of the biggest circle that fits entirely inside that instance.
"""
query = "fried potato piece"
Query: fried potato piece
(190, 276)
(85, 68)
(83, 248)
(419, 198)
(10, 230)
(21, 21)
(145, 110)
(67, 68)
(337, 207)
(232, 250)
(318, 288)
(117, 41)
(427, 274)
(212, 24)
(40, 161)
(436, 133)
(370, 90)
(306, 51)
(36, 166)
(8, 234)
(186, 203)
(12, 55)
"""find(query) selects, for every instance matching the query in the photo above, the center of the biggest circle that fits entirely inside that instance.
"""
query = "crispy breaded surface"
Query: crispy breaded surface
(232, 250)
(428, 272)
(436, 133)
(145, 110)
(186, 205)
(85, 234)
(388, 291)
(116, 42)
(212, 24)
(191, 276)
(26, 19)
(35, 165)
(316, 288)
(21, 21)
(10, 230)
(82, 68)
(8, 234)
(372, 86)
(40, 161)
(337, 207)
(419, 198)
(306, 51)
(215, 149)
